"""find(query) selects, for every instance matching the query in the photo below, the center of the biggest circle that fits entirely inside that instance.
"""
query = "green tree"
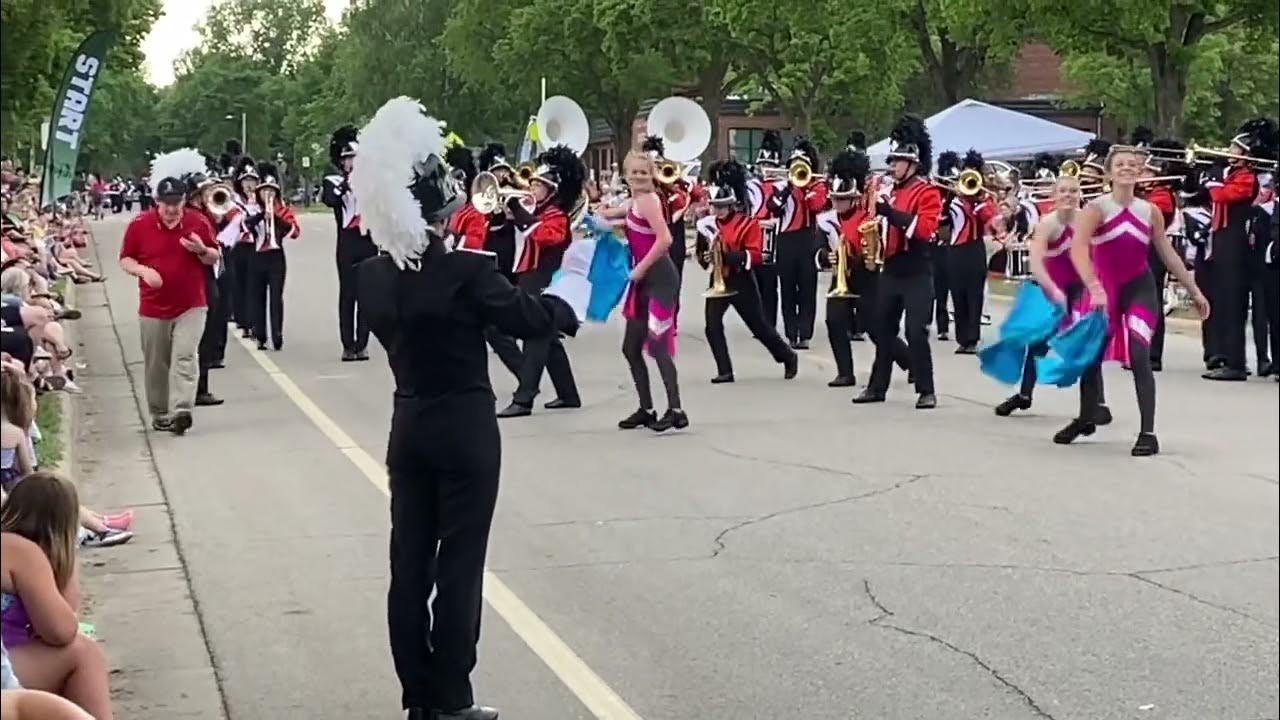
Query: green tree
(965, 46)
(278, 35)
(1163, 39)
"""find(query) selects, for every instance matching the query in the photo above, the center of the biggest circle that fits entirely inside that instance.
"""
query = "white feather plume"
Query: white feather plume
(399, 136)
(175, 164)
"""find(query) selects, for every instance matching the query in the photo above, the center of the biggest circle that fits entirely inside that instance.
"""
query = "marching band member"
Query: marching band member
(967, 259)
(542, 236)
(213, 322)
(353, 245)
(910, 216)
(853, 196)
(761, 187)
(796, 209)
(1112, 236)
(1263, 270)
(735, 235)
(273, 223)
(245, 186)
(1266, 229)
(500, 239)
(947, 171)
(428, 304)
(1160, 195)
(468, 226)
(1232, 205)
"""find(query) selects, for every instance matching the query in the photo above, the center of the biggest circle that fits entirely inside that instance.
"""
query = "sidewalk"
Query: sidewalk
(137, 595)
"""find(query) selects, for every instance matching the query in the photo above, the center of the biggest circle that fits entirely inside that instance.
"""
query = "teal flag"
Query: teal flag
(70, 108)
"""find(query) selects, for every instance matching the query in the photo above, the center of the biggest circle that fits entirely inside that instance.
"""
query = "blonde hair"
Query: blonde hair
(44, 508)
(15, 281)
(17, 399)
(643, 157)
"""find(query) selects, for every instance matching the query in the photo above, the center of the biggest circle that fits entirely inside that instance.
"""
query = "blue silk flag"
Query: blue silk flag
(610, 269)
(1032, 319)
(1073, 351)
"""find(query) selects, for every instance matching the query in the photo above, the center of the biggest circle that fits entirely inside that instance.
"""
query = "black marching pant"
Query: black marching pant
(842, 315)
(228, 285)
(747, 304)
(1258, 309)
(266, 293)
(967, 281)
(505, 346)
(941, 289)
(241, 254)
(442, 501)
(1271, 291)
(353, 249)
(1161, 275)
(897, 295)
(1230, 301)
(798, 282)
(766, 277)
(544, 353)
(207, 355)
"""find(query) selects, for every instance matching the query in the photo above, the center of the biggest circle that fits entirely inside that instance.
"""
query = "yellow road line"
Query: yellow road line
(581, 680)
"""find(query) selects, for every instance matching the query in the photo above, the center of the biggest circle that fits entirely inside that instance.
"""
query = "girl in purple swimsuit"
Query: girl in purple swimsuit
(1113, 236)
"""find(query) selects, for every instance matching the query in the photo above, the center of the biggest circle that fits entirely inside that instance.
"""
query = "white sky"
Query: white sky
(175, 32)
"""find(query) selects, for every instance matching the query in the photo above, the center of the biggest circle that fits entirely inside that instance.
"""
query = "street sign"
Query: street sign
(306, 161)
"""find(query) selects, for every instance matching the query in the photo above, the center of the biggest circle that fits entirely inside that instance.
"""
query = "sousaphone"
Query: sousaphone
(683, 126)
(561, 121)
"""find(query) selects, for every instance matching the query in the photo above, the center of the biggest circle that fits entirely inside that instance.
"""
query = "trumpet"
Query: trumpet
(968, 183)
(718, 289)
(270, 212)
(218, 199)
(488, 198)
(1070, 168)
(1194, 152)
(668, 172)
(800, 174)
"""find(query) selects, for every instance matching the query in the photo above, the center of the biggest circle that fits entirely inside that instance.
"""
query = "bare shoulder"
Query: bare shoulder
(10, 434)
(17, 549)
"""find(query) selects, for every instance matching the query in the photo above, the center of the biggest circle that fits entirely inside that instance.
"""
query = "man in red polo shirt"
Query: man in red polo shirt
(167, 248)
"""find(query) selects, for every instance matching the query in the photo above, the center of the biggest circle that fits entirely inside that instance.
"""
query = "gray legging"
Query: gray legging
(660, 283)
(1138, 292)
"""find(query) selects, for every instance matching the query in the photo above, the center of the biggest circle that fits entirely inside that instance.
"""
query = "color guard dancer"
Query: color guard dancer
(1112, 238)
(353, 244)
(730, 243)
(796, 206)
(910, 217)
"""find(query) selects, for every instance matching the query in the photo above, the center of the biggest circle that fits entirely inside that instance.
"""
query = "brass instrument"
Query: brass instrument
(1159, 179)
(524, 173)
(1194, 152)
(668, 172)
(969, 183)
(718, 288)
(773, 173)
(218, 199)
(800, 174)
(1069, 168)
(841, 271)
(269, 210)
(872, 245)
(488, 197)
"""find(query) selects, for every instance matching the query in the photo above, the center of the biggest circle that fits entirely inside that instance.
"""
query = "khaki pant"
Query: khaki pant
(169, 360)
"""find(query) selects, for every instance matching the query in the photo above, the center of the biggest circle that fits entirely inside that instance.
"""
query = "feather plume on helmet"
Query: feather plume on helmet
(805, 150)
(948, 164)
(910, 141)
(561, 169)
(494, 156)
(727, 184)
(847, 173)
(770, 148)
(342, 144)
(1097, 149)
(462, 162)
(181, 164)
(1165, 163)
(1047, 165)
(856, 141)
(1141, 136)
(1258, 137)
(654, 147)
(401, 179)
(973, 160)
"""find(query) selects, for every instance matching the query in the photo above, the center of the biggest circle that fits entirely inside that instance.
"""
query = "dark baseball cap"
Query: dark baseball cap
(171, 191)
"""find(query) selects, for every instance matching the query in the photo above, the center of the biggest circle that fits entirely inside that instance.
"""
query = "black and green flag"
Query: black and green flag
(70, 108)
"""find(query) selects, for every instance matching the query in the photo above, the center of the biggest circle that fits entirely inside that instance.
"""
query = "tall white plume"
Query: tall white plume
(398, 138)
(175, 164)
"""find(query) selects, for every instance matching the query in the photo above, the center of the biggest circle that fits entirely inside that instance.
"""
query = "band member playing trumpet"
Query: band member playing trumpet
(245, 185)
(910, 215)
(853, 231)
(215, 325)
(796, 202)
(500, 239)
(967, 255)
(730, 244)
(542, 236)
(945, 177)
(274, 222)
(353, 244)
(768, 171)
(468, 226)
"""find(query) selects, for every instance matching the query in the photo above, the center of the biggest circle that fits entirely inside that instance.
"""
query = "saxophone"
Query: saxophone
(869, 230)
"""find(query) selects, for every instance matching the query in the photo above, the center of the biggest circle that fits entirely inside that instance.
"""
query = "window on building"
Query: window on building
(744, 144)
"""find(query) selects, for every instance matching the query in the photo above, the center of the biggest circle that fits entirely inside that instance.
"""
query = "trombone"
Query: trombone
(1194, 152)
(801, 174)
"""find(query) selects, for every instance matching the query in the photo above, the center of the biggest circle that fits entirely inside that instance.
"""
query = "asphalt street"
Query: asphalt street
(789, 555)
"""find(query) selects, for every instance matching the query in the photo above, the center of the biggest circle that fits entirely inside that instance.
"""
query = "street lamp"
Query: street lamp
(244, 143)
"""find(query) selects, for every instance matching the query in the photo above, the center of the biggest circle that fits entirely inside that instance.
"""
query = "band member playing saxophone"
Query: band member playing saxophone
(729, 244)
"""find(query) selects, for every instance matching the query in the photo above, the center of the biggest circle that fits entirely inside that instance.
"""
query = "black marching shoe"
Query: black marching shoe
(475, 712)
(218, 364)
(181, 422)
(802, 345)
(278, 344)
(1226, 374)
(1214, 363)
(637, 419)
(858, 337)
(722, 378)
(1074, 429)
(262, 345)
(1157, 366)
(560, 404)
(791, 366)
(926, 401)
(672, 418)
(1102, 416)
(348, 355)
(1266, 369)
(967, 350)
(843, 381)
(1012, 403)
(246, 333)
(868, 396)
(208, 400)
(515, 410)
(794, 343)
(944, 336)
(1146, 446)
(362, 355)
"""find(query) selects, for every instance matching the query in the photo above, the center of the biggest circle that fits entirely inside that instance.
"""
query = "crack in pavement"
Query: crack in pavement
(719, 539)
(880, 621)
(638, 519)
(1196, 598)
(783, 463)
(1203, 566)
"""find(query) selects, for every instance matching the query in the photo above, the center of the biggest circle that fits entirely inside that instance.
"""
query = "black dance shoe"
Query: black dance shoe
(1146, 446)
(791, 366)
(639, 418)
(801, 345)
(475, 712)
(843, 381)
(262, 345)
(560, 404)
(671, 419)
(278, 344)
(515, 410)
(722, 378)
(1075, 429)
(967, 350)
(868, 396)
(348, 355)
(1102, 416)
(207, 400)
(1226, 374)
(1013, 402)
(858, 337)
(927, 401)
(1157, 365)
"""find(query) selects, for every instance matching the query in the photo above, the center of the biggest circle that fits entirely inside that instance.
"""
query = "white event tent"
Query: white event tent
(996, 132)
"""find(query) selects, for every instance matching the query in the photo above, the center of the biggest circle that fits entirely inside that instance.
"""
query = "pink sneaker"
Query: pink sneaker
(119, 521)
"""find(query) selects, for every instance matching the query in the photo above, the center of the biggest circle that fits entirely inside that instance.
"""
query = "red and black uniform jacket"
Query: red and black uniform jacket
(975, 215)
(286, 226)
(797, 208)
(470, 227)
(741, 243)
(335, 192)
(1232, 199)
(542, 237)
(849, 234)
(912, 218)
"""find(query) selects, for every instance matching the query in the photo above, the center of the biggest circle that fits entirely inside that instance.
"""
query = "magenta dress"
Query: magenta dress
(653, 297)
(1119, 250)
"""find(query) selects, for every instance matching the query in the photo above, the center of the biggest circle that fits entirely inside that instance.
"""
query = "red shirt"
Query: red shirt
(1239, 187)
(536, 245)
(470, 226)
(849, 229)
(922, 200)
(1162, 197)
(741, 233)
(147, 241)
(978, 212)
(802, 207)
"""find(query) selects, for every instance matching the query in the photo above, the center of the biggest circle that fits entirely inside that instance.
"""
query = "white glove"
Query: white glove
(707, 227)
(570, 283)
